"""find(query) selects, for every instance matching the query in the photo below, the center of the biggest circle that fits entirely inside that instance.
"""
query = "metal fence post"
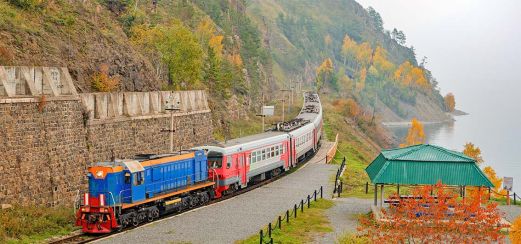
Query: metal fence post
(321, 190)
(260, 236)
(280, 223)
(269, 229)
(302, 205)
(315, 195)
(295, 210)
(309, 201)
(271, 241)
(366, 187)
(287, 216)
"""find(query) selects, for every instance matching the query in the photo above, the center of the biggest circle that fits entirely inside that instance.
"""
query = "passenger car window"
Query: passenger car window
(228, 162)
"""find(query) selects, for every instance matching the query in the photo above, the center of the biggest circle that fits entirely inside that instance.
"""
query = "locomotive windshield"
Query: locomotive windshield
(215, 160)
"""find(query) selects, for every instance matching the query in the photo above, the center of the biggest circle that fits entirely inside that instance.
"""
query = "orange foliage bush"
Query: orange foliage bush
(101, 81)
(492, 176)
(515, 231)
(438, 218)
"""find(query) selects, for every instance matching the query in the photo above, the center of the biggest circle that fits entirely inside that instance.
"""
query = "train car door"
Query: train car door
(137, 178)
(243, 169)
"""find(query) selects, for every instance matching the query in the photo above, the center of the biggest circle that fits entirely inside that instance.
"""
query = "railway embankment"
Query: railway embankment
(50, 133)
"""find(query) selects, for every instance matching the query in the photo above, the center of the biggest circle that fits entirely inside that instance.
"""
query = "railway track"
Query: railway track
(86, 238)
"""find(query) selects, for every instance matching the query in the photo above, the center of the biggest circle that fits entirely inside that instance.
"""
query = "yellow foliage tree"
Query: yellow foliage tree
(409, 75)
(496, 181)
(381, 62)
(348, 48)
(205, 30)
(363, 53)
(515, 231)
(415, 135)
(324, 71)
(101, 81)
(450, 102)
(360, 85)
(352, 108)
(472, 151)
(216, 43)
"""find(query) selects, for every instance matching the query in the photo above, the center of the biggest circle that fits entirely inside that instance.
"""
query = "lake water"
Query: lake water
(498, 138)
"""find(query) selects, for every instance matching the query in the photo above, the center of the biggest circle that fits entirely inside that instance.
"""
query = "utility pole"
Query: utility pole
(283, 100)
(172, 109)
(283, 97)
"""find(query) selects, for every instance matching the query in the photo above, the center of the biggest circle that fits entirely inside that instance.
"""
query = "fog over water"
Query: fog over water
(474, 50)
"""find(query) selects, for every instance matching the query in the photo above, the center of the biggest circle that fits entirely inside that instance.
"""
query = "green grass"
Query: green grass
(32, 224)
(350, 238)
(312, 223)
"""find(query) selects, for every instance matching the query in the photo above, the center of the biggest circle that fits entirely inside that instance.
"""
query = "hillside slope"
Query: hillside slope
(368, 63)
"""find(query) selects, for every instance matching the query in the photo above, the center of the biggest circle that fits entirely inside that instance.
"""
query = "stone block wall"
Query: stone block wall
(44, 153)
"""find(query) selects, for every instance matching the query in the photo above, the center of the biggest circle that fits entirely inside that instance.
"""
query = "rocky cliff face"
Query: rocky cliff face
(79, 35)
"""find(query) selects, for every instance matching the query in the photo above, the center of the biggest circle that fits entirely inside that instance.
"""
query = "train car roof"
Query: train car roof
(247, 142)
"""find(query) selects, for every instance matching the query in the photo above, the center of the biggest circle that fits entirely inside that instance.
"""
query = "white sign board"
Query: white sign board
(268, 110)
(508, 183)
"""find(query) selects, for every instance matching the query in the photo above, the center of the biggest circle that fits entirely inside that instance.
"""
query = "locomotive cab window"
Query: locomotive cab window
(215, 160)
(139, 178)
(228, 162)
(127, 178)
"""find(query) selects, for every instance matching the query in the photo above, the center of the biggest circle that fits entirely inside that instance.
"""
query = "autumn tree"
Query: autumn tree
(409, 75)
(103, 82)
(496, 181)
(216, 43)
(381, 62)
(472, 151)
(177, 47)
(348, 48)
(324, 72)
(363, 54)
(438, 218)
(205, 30)
(450, 102)
(515, 231)
(415, 135)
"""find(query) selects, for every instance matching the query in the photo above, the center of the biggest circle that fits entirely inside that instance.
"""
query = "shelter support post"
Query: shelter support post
(382, 196)
(376, 194)
(398, 189)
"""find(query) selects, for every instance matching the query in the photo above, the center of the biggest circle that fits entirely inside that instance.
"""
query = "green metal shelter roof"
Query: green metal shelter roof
(425, 165)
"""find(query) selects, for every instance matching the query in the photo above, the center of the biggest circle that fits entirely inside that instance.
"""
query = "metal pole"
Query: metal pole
(315, 195)
(367, 187)
(321, 192)
(287, 216)
(309, 201)
(262, 123)
(171, 131)
(302, 205)
(398, 189)
(269, 229)
(280, 222)
(260, 236)
(295, 210)
(382, 196)
(283, 110)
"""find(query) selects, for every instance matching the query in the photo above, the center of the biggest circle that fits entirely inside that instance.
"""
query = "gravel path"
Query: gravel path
(239, 217)
(510, 212)
(344, 217)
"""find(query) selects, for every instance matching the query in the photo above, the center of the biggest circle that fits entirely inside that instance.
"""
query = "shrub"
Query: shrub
(27, 4)
(101, 81)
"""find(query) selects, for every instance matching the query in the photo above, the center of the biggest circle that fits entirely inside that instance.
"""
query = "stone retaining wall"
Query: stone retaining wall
(46, 145)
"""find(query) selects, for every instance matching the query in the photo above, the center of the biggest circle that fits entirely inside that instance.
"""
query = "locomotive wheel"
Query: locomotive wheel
(135, 222)
(193, 201)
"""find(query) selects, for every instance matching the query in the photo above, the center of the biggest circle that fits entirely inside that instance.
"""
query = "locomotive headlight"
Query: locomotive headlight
(99, 173)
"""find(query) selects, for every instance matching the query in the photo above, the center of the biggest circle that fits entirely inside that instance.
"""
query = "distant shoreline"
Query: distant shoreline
(408, 123)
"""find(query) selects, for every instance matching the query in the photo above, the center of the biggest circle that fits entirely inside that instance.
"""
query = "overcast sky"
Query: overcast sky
(473, 46)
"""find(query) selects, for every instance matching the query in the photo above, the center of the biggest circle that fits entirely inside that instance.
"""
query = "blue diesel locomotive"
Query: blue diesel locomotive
(129, 192)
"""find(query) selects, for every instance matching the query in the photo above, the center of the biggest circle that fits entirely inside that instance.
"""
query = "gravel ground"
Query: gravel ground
(344, 217)
(510, 212)
(239, 217)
